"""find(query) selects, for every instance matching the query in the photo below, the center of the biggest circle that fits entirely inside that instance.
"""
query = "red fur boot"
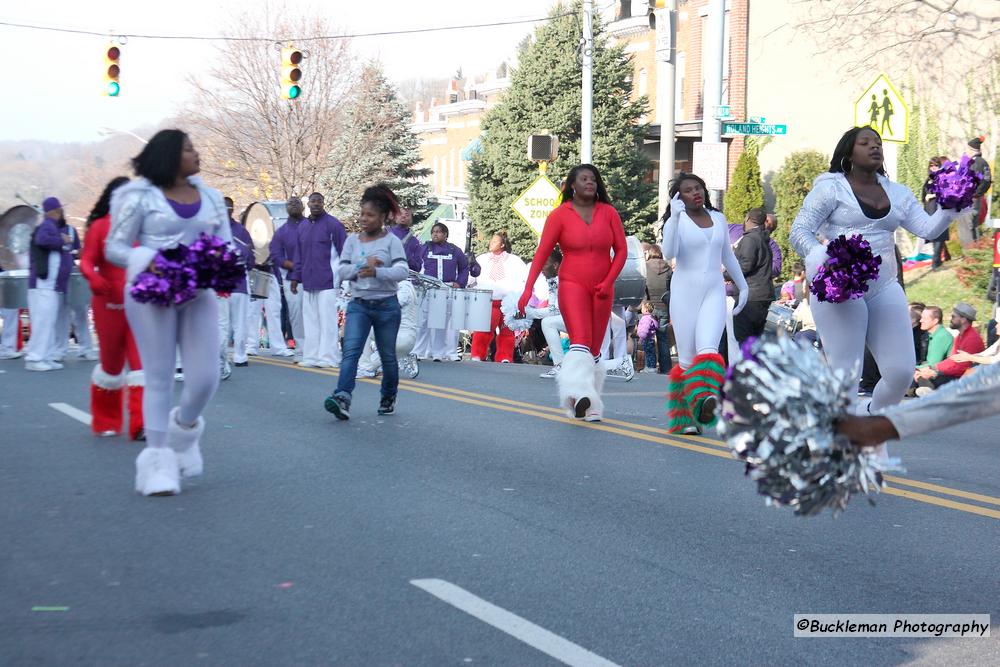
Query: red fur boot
(106, 401)
(136, 382)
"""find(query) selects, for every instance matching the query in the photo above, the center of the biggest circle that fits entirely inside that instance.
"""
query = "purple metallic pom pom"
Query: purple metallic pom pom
(151, 288)
(846, 273)
(218, 266)
(954, 184)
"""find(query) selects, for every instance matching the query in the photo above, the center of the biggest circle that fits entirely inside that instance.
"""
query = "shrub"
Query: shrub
(792, 183)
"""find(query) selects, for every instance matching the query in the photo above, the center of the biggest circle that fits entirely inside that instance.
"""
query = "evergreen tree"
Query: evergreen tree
(747, 189)
(375, 145)
(792, 183)
(545, 95)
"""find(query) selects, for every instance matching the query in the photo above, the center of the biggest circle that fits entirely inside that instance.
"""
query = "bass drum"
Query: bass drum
(16, 226)
(630, 287)
(262, 219)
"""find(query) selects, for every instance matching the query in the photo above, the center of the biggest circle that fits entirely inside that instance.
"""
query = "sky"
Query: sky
(53, 81)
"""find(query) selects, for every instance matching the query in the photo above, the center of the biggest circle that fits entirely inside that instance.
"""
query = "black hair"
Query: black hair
(756, 216)
(567, 188)
(103, 205)
(229, 200)
(442, 226)
(675, 187)
(840, 163)
(321, 195)
(160, 160)
(503, 239)
(556, 256)
(798, 267)
(381, 197)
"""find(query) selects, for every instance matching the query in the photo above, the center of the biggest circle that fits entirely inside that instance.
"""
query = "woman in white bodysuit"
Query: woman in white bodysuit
(697, 236)
(856, 197)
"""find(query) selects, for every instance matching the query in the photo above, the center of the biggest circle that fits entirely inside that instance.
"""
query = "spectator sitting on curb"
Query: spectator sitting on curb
(968, 340)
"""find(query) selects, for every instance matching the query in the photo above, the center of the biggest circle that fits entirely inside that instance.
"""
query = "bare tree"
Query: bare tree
(252, 141)
(948, 42)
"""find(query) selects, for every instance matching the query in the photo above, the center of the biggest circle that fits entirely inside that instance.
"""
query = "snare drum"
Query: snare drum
(459, 308)
(478, 309)
(781, 318)
(78, 294)
(437, 308)
(14, 288)
(260, 283)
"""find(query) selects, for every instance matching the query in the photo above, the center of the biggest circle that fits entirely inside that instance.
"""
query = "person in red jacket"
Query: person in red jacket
(107, 282)
(587, 229)
(968, 340)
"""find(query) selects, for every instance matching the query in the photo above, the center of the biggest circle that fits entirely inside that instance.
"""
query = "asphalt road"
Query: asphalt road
(475, 526)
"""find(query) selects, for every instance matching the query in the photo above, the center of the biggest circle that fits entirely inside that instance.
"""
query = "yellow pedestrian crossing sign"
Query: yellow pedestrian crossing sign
(882, 108)
(535, 203)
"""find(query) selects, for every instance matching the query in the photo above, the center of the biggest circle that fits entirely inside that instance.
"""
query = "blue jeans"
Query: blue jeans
(363, 315)
(649, 347)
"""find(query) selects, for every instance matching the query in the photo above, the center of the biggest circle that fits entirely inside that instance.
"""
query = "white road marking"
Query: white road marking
(533, 635)
(70, 411)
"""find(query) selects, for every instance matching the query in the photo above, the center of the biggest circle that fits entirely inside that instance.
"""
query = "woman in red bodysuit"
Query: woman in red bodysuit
(587, 228)
(107, 282)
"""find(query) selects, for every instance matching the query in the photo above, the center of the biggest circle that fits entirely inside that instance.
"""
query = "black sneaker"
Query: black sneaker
(387, 405)
(339, 406)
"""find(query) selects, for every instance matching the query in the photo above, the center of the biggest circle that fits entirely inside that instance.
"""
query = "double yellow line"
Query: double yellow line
(656, 435)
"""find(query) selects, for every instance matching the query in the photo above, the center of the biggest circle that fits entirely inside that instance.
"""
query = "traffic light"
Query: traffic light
(291, 73)
(651, 12)
(112, 70)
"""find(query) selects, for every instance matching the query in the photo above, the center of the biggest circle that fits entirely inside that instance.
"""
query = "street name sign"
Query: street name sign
(754, 128)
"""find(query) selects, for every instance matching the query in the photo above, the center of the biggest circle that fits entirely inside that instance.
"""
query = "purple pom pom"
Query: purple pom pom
(954, 184)
(218, 266)
(151, 288)
(846, 273)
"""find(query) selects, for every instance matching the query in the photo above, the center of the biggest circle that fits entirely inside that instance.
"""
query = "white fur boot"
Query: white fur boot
(184, 441)
(596, 410)
(576, 383)
(157, 472)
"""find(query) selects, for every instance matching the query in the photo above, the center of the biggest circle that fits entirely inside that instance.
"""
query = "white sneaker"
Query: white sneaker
(307, 364)
(39, 366)
(283, 353)
(923, 391)
(11, 355)
(252, 353)
(157, 472)
(691, 430)
(551, 373)
(365, 374)
(89, 355)
(179, 376)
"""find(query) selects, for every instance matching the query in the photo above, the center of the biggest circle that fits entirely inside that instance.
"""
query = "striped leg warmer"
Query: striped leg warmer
(703, 380)
(678, 414)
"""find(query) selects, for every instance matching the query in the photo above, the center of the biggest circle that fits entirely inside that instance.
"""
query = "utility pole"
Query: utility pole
(587, 111)
(711, 126)
(662, 17)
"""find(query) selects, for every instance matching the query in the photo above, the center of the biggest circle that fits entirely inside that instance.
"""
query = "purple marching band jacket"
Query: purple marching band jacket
(244, 246)
(411, 246)
(48, 235)
(320, 243)
(445, 262)
(284, 245)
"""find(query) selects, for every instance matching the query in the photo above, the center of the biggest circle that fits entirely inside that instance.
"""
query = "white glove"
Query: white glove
(741, 300)
(676, 206)
(815, 259)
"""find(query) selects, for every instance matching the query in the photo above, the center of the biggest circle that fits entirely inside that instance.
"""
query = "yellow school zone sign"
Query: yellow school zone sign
(882, 108)
(535, 203)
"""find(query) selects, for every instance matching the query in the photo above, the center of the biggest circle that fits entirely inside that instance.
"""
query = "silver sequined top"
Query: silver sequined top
(831, 209)
(141, 213)
(971, 397)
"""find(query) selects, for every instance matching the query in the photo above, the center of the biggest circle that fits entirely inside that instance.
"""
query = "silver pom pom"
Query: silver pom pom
(780, 404)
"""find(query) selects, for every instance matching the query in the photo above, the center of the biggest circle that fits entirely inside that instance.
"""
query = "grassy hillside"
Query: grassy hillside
(942, 288)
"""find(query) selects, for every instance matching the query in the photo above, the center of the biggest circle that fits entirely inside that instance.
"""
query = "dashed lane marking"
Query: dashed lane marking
(70, 411)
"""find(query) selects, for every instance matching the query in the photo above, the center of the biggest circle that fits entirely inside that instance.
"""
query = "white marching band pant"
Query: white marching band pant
(405, 340)
(615, 334)
(552, 325)
(435, 343)
(233, 320)
(43, 307)
(294, 302)
(321, 327)
(8, 339)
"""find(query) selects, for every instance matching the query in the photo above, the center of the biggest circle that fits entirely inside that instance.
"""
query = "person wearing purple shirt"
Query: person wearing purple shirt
(48, 278)
(410, 242)
(233, 308)
(446, 262)
(321, 240)
(284, 247)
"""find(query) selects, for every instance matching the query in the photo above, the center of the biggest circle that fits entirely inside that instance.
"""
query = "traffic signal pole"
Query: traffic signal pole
(587, 111)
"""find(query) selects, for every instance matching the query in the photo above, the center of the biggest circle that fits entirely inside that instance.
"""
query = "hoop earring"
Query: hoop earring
(848, 168)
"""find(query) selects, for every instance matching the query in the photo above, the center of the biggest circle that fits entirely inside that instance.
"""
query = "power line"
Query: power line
(223, 38)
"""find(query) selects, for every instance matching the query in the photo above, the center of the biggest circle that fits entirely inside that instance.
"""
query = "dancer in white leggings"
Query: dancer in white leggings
(162, 208)
(698, 237)
(855, 197)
